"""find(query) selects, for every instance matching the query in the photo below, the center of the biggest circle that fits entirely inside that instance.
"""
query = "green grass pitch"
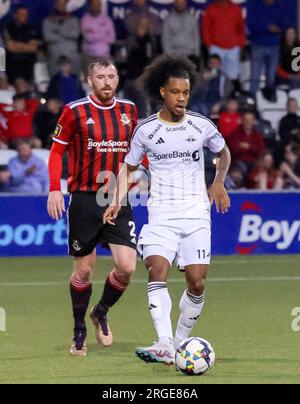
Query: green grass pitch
(247, 319)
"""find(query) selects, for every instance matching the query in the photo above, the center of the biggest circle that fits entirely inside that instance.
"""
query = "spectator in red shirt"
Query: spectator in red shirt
(264, 176)
(20, 120)
(224, 33)
(4, 134)
(230, 119)
(290, 168)
(246, 143)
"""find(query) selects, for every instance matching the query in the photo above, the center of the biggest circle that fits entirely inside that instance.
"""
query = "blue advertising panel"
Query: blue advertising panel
(257, 224)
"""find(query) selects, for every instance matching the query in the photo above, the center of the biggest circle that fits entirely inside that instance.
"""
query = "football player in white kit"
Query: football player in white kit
(179, 228)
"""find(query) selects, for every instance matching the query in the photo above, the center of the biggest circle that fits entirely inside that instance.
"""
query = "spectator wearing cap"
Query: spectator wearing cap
(61, 33)
(65, 85)
(224, 33)
(266, 26)
(98, 33)
(25, 173)
(21, 45)
(246, 143)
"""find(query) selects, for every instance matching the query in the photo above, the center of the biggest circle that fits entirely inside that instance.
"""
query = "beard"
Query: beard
(105, 94)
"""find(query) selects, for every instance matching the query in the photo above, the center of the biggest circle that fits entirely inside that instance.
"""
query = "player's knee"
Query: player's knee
(84, 269)
(84, 273)
(157, 273)
(197, 286)
(125, 270)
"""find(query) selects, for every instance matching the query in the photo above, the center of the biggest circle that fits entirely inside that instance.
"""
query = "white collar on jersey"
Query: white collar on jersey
(99, 106)
(171, 123)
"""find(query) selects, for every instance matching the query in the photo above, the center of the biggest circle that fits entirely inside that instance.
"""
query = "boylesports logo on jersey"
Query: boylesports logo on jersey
(57, 130)
(185, 156)
(125, 120)
(108, 146)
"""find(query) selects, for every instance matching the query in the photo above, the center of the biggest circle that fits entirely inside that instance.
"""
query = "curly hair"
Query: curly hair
(158, 73)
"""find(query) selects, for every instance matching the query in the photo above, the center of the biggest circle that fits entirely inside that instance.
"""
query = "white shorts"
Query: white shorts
(184, 241)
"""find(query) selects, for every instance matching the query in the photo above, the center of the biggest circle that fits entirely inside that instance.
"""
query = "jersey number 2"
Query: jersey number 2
(132, 232)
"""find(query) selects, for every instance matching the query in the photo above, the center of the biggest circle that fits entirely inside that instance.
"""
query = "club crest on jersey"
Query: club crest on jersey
(57, 130)
(125, 120)
(191, 139)
(76, 245)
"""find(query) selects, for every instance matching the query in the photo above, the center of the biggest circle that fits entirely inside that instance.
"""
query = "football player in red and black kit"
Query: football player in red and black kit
(96, 132)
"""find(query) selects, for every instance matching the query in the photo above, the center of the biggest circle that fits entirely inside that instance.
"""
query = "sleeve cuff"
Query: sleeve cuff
(60, 141)
(131, 163)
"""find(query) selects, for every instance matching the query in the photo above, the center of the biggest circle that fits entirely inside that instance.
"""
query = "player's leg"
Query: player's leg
(84, 225)
(121, 240)
(160, 306)
(192, 301)
(116, 284)
(81, 291)
(194, 256)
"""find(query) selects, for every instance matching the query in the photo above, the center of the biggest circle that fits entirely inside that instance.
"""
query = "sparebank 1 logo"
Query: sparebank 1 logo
(2, 60)
(254, 231)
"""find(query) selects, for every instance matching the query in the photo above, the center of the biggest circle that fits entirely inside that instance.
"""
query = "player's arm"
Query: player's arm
(56, 201)
(63, 133)
(218, 192)
(125, 178)
(124, 183)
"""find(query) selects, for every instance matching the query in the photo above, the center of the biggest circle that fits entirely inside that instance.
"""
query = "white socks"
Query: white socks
(190, 307)
(160, 306)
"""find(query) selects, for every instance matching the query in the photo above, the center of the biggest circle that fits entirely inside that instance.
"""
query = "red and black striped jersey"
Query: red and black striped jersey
(97, 138)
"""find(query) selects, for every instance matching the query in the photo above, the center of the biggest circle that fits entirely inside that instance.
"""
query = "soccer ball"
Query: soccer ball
(195, 356)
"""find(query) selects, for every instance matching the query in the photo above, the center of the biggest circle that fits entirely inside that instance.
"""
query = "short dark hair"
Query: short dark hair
(63, 60)
(103, 62)
(17, 97)
(158, 73)
(215, 56)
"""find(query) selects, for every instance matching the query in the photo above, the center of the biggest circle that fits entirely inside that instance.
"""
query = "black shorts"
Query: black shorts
(86, 228)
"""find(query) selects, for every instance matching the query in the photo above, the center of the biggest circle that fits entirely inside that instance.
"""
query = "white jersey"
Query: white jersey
(176, 163)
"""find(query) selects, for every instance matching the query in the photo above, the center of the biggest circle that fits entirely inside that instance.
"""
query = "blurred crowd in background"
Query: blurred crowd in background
(248, 84)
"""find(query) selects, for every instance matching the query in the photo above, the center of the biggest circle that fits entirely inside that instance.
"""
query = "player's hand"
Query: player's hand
(219, 195)
(111, 214)
(56, 205)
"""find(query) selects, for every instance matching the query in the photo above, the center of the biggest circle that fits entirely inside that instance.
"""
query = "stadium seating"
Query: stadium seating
(41, 76)
(6, 97)
(6, 155)
(295, 94)
(273, 111)
(43, 154)
(274, 116)
(263, 104)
